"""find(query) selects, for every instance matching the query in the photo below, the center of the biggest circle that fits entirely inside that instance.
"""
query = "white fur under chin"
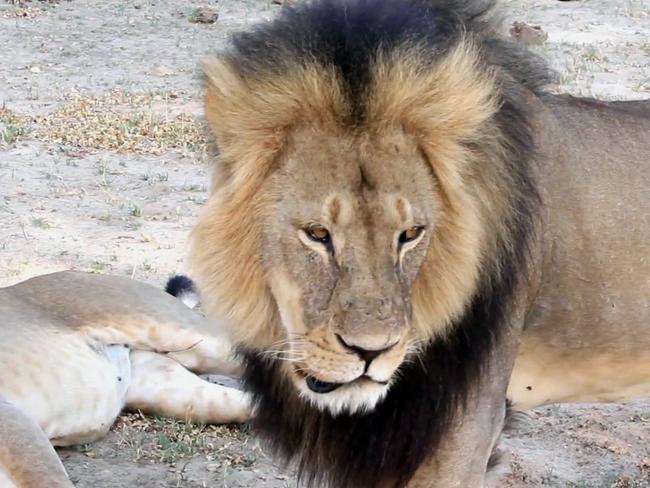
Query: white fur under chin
(352, 398)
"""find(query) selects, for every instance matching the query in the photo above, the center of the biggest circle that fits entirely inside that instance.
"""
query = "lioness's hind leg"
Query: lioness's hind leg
(162, 386)
(27, 459)
(187, 343)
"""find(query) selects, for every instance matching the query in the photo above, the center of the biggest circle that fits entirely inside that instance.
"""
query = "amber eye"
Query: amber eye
(411, 234)
(319, 234)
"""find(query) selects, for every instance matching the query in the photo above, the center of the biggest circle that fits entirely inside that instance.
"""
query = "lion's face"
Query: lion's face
(343, 242)
(338, 245)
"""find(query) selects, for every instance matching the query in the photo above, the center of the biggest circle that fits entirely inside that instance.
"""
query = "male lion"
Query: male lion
(402, 214)
(76, 348)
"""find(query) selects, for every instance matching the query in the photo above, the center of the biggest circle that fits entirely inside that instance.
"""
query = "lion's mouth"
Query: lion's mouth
(322, 387)
(359, 395)
(318, 386)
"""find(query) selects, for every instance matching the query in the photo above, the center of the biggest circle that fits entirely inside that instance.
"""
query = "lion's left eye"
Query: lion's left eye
(411, 234)
(319, 234)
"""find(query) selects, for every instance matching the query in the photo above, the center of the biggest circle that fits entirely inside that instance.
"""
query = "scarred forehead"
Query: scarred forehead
(384, 177)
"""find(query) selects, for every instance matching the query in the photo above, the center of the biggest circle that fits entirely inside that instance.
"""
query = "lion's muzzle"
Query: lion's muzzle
(334, 372)
(366, 355)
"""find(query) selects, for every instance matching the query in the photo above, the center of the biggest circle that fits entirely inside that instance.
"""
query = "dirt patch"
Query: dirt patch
(158, 452)
(103, 168)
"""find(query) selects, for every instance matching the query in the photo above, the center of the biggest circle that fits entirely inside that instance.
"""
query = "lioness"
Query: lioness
(76, 349)
(406, 228)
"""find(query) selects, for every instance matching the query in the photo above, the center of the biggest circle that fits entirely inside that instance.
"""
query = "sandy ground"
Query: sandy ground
(103, 167)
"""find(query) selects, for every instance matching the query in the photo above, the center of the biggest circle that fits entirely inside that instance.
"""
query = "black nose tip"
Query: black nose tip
(318, 386)
(366, 355)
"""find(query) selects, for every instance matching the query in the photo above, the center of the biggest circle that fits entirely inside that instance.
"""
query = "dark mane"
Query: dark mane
(348, 35)
(386, 446)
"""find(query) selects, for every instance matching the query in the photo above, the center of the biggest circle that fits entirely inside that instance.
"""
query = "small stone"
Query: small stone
(162, 71)
(35, 69)
(203, 15)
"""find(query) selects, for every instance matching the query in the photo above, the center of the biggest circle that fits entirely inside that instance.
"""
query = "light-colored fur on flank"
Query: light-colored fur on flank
(77, 349)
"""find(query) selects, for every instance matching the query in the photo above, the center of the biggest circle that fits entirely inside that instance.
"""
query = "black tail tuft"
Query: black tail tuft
(180, 285)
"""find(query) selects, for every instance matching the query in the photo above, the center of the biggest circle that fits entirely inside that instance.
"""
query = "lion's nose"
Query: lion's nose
(366, 355)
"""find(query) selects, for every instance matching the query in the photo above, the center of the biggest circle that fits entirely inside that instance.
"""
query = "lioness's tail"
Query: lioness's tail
(184, 289)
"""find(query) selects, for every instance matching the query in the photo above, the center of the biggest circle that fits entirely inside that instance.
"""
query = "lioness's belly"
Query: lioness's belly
(544, 375)
(71, 387)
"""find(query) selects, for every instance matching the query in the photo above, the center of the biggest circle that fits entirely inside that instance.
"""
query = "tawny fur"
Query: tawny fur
(533, 208)
(27, 459)
(77, 349)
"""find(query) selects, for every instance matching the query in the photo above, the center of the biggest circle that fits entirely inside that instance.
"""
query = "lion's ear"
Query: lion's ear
(449, 102)
(223, 87)
(445, 106)
(241, 116)
(251, 114)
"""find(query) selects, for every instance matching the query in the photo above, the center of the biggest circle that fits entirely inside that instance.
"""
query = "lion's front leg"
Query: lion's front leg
(462, 461)
(162, 386)
(463, 458)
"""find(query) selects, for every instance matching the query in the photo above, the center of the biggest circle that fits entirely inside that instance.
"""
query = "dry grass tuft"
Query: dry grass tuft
(163, 440)
(121, 122)
(12, 127)
(22, 11)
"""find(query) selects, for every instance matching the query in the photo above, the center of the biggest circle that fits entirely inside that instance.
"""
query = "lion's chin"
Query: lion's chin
(359, 396)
